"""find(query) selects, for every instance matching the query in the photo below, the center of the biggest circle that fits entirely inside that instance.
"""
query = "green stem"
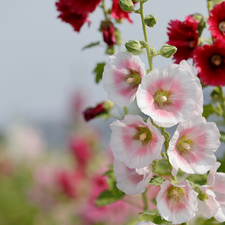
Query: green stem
(145, 201)
(208, 7)
(125, 110)
(104, 9)
(132, 203)
(222, 102)
(146, 36)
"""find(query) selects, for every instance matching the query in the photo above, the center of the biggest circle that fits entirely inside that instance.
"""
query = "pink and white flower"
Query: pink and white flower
(122, 76)
(169, 95)
(177, 203)
(131, 181)
(135, 142)
(214, 190)
(193, 145)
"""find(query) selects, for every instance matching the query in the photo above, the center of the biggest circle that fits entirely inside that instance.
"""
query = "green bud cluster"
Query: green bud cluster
(150, 20)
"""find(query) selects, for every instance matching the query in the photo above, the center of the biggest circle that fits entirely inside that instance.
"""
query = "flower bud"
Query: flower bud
(108, 31)
(100, 109)
(150, 20)
(132, 45)
(126, 5)
(167, 51)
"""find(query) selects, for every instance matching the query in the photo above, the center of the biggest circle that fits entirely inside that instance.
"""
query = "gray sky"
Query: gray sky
(41, 62)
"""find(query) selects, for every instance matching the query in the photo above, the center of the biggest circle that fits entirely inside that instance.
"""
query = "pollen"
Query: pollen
(222, 26)
(142, 136)
(185, 146)
(130, 80)
(163, 98)
(216, 60)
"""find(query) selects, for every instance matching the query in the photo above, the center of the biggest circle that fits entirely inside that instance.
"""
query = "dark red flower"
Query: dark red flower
(108, 33)
(91, 113)
(118, 13)
(68, 16)
(81, 150)
(210, 61)
(217, 21)
(184, 36)
(83, 6)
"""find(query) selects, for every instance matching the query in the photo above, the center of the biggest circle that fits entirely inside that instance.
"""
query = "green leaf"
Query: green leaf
(156, 180)
(113, 193)
(153, 216)
(107, 197)
(162, 169)
(208, 110)
(99, 71)
(91, 45)
(222, 138)
(197, 179)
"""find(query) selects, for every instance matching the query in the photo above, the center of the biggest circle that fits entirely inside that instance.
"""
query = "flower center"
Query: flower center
(161, 97)
(216, 60)
(184, 144)
(142, 134)
(134, 78)
(222, 26)
(191, 44)
(174, 192)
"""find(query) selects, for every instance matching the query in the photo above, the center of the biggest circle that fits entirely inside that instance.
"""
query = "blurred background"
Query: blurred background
(46, 81)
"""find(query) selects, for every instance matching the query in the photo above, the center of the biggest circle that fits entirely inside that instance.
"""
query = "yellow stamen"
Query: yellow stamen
(130, 80)
(216, 60)
(222, 26)
(163, 98)
(186, 146)
(142, 136)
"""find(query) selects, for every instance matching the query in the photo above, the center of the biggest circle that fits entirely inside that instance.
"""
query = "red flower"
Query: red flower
(217, 21)
(118, 13)
(81, 151)
(210, 61)
(69, 183)
(184, 36)
(68, 16)
(83, 6)
(91, 113)
(108, 33)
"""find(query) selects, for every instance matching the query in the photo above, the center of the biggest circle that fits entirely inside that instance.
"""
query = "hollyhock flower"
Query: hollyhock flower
(210, 62)
(76, 20)
(193, 145)
(131, 181)
(118, 13)
(82, 7)
(121, 77)
(81, 150)
(177, 203)
(108, 33)
(169, 95)
(216, 21)
(69, 182)
(199, 93)
(184, 36)
(135, 142)
(214, 190)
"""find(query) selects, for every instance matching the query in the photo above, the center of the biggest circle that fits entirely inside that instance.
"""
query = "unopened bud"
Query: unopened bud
(126, 5)
(167, 51)
(150, 20)
(108, 105)
(132, 45)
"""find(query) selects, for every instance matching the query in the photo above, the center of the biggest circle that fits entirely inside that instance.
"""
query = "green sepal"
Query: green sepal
(156, 180)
